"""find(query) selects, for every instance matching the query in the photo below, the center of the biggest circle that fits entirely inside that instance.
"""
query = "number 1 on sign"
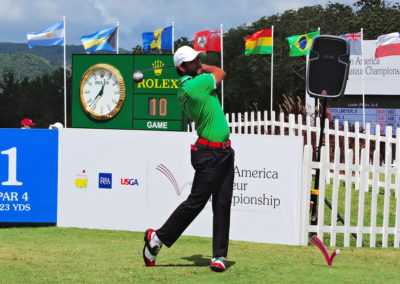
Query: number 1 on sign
(12, 167)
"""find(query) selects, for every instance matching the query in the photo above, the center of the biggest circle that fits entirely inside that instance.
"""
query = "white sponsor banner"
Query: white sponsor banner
(134, 180)
(381, 75)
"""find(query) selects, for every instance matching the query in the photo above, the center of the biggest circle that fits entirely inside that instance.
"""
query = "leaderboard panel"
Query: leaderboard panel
(155, 105)
(374, 116)
(379, 110)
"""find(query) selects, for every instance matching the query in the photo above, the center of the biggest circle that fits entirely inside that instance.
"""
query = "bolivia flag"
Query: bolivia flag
(259, 43)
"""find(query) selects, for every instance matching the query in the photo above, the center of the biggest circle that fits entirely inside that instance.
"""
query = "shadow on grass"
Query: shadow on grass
(198, 260)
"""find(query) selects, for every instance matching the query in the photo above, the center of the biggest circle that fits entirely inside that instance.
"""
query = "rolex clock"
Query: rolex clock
(102, 91)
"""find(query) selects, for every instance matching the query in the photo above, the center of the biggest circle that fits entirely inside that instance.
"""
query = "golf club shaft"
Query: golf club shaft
(150, 69)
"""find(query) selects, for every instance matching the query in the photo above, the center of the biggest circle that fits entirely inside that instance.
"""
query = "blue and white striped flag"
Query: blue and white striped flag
(53, 35)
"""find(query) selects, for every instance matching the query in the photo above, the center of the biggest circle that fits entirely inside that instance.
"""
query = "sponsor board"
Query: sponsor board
(156, 167)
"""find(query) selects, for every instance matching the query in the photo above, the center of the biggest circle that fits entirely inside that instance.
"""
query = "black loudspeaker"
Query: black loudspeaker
(328, 66)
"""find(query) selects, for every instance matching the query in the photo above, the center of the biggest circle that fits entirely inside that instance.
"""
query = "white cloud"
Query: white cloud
(135, 16)
(10, 11)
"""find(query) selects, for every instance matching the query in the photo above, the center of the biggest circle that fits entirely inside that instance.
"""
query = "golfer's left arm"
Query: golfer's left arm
(217, 72)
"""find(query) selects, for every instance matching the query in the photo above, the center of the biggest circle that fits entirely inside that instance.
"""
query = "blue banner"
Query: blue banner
(28, 175)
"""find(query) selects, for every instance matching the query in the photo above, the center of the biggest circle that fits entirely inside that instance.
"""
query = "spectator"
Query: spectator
(57, 125)
(27, 123)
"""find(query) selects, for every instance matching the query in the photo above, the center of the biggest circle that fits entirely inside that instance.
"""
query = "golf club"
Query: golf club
(138, 74)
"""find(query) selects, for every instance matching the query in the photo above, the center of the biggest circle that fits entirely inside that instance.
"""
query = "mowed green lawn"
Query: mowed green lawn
(69, 255)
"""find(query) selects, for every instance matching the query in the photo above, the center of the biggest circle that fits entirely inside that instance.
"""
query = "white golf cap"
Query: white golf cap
(185, 54)
(57, 125)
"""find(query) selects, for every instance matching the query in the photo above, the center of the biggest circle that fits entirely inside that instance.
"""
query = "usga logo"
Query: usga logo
(105, 180)
(129, 181)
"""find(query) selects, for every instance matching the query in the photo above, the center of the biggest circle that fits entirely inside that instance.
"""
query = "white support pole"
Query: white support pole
(117, 38)
(319, 29)
(310, 101)
(363, 76)
(173, 36)
(272, 70)
(222, 66)
(65, 78)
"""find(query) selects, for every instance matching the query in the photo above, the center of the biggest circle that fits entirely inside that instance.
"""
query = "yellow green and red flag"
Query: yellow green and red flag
(259, 43)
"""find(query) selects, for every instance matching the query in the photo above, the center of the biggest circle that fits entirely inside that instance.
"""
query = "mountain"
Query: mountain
(31, 62)
(26, 65)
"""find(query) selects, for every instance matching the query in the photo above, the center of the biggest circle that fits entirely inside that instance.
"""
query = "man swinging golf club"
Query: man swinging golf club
(211, 156)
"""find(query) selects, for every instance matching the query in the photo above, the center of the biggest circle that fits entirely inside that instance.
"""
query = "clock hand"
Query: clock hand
(102, 88)
(94, 103)
(98, 95)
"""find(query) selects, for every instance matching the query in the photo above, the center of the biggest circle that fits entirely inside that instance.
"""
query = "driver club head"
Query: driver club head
(137, 76)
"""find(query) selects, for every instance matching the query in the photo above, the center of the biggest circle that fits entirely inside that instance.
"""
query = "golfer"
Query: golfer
(212, 158)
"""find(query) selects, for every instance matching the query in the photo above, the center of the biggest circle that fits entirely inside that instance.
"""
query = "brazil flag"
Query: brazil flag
(301, 44)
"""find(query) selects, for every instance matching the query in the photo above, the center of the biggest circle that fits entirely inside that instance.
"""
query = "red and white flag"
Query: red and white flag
(207, 41)
(388, 45)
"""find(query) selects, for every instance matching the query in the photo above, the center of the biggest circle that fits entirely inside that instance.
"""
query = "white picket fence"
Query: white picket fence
(345, 158)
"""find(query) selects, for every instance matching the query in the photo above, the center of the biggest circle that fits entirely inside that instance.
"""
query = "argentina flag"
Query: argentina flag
(53, 35)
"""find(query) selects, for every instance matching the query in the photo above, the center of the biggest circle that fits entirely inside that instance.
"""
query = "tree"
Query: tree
(9, 100)
(247, 84)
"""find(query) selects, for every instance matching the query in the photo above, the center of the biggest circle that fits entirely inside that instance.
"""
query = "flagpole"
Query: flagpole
(272, 70)
(363, 75)
(173, 38)
(319, 29)
(65, 79)
(222, 66)
(117, 37)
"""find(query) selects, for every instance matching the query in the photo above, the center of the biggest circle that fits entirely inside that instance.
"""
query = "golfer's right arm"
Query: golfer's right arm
(217, 72)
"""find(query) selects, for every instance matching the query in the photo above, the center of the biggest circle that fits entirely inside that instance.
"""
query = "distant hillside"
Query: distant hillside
(31, 62)
(51, 53)
(25, 64)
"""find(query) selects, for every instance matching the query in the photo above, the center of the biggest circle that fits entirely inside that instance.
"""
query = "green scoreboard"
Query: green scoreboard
(105, 96)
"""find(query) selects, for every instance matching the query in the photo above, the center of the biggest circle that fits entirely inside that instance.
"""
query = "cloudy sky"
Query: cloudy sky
(85, 17)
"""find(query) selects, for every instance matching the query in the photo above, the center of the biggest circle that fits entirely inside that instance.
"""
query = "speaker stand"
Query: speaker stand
(315, 191)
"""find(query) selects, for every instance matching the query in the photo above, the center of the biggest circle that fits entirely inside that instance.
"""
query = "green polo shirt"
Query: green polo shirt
(199, 100)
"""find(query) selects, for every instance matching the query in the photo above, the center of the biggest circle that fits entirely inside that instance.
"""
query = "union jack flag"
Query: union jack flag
(355, 42)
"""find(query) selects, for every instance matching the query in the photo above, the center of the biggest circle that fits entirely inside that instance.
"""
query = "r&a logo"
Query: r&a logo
(105, 180)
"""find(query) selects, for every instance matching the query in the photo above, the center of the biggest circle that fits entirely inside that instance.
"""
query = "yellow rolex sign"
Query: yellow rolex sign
(155, 105)
(159, 78)
(158, 84)
(158, 67)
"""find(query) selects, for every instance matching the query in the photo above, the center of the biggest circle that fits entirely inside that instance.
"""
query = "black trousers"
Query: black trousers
(213, 177)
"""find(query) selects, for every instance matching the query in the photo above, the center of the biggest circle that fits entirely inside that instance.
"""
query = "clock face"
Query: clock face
(102, 91)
